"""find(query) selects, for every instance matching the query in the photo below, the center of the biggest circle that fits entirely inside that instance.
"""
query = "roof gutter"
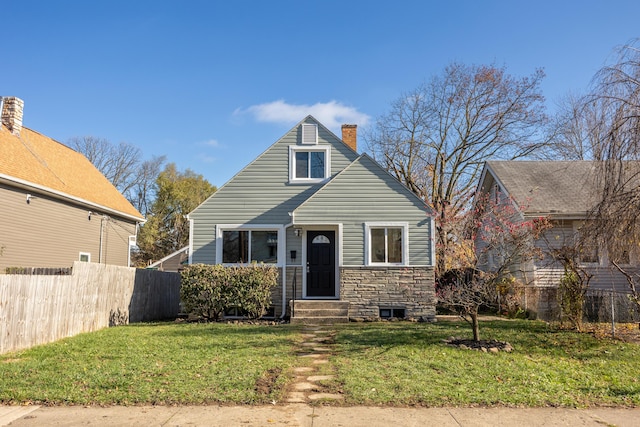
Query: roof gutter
(26, 185)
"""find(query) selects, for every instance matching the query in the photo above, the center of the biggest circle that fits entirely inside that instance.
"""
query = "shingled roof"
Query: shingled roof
(35, 160)
(547, 187)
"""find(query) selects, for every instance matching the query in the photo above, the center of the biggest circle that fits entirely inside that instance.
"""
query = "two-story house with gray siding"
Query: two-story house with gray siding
(564, 192)
(335, 223)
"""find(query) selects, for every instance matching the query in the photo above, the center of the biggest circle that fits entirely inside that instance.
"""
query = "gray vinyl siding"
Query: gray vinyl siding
(365, 192)
(261, 192)
(48, 232)
(294, 243)
(605, 276)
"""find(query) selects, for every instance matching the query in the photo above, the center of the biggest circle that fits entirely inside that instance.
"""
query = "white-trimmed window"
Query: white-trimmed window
(84, 257)
(589, 253)
(247, 245)
(309, 164)
(386, 243)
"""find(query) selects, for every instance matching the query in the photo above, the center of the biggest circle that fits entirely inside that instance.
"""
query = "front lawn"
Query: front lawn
(153, 364)
(376, 364)
(408, 364)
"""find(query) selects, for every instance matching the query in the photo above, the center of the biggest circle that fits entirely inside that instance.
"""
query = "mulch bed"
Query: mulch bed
(486, 346)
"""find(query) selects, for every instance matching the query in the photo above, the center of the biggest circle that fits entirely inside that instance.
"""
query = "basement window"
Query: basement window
(389, 312)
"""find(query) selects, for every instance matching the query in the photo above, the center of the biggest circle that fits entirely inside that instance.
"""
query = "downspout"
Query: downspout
(284, 272)
(101, 232)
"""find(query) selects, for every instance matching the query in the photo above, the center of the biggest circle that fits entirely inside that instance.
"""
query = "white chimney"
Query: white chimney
(12, 108)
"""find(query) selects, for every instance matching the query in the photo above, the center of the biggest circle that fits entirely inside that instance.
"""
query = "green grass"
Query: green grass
(153, 364)
(408, 364)
(376, 364)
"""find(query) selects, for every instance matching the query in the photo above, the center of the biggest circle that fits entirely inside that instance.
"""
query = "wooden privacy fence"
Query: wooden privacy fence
(40, 309)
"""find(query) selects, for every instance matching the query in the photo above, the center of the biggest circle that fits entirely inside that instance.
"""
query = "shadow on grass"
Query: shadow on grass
(526, 336)
(229, 336)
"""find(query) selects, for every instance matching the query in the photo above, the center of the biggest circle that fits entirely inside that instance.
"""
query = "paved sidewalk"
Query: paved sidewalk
(303, 415)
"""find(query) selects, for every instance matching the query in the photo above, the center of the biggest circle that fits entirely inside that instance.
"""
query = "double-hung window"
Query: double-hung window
(309, 164)
(241, 246)
(386, 243)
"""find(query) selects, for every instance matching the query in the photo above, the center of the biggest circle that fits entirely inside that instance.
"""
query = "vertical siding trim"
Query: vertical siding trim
(191, 225)
(432, 238)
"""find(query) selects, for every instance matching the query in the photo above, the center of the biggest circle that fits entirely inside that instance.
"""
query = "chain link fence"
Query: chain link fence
(610, 307)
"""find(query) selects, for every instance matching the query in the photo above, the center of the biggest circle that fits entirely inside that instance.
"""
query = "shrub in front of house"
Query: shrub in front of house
(207, 291)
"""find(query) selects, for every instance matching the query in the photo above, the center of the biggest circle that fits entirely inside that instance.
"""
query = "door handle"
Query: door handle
(308, 267)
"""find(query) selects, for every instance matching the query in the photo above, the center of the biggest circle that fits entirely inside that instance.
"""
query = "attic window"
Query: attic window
(309, 164)
(309, 134)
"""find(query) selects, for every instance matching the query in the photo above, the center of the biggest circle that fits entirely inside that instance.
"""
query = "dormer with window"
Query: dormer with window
(309, 162)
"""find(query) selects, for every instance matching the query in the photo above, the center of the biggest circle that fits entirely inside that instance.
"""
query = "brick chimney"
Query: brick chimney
(12, 113)
(349, 136)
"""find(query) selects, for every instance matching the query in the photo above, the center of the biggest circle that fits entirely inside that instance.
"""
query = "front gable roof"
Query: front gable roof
(544, 187)
(363, 185)
(33, 160)
(262, 191)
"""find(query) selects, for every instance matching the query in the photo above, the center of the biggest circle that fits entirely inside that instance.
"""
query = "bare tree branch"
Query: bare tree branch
(436, 138)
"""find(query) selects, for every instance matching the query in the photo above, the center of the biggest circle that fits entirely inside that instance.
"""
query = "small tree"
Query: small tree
(505, 241)
(465, 291)
(574, 282)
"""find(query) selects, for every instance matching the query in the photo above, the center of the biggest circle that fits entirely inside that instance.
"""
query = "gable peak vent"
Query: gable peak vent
(309, 134)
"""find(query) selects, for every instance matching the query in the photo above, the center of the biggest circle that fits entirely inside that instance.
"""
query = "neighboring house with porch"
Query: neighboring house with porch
(57, 208)
(564, 192)
(347, 237)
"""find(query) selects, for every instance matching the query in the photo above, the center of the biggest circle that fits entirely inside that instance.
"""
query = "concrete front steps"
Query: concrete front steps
(319, 312)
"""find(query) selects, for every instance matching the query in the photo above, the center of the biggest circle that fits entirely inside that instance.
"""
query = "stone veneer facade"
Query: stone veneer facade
(370, 288)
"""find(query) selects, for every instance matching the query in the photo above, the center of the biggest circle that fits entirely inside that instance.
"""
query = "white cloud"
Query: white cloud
(205, 158)
(332, 114)
(212, 143)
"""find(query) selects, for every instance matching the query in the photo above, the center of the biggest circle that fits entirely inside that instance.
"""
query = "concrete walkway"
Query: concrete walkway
(293, 415)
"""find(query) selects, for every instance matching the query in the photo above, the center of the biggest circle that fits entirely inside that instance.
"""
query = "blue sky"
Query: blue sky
(211, 84)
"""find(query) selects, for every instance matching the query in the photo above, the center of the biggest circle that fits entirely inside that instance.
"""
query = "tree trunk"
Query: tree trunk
(475, 325)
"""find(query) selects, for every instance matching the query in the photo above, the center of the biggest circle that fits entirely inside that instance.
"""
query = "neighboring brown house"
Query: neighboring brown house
(563, 191)
(56, 207)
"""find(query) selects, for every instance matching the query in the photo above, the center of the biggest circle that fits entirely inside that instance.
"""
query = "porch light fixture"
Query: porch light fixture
(297, 232)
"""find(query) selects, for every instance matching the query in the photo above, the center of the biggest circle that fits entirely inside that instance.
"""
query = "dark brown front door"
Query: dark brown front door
(321, 264)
